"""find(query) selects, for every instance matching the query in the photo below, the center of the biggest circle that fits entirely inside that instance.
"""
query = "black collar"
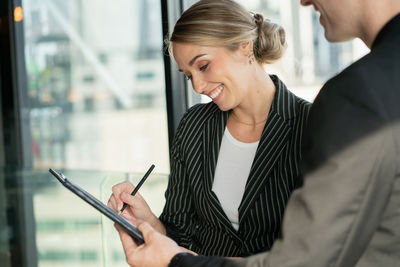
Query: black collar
(392, 28)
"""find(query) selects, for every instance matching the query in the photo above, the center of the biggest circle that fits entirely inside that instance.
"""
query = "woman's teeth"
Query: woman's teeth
(217, 92)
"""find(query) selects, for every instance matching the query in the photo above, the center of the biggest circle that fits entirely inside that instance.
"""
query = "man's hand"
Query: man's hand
(157, 250)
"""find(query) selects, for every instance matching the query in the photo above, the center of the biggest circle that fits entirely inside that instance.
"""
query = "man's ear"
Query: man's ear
(246, 48)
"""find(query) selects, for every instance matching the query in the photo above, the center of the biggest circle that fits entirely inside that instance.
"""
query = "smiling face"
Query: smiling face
(217, 72)
(338, 17)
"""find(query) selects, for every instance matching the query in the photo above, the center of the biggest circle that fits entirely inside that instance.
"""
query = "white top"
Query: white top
(233, 167)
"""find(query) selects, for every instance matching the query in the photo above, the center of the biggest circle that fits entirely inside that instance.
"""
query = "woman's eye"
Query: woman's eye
(188, 77)
(204, 67)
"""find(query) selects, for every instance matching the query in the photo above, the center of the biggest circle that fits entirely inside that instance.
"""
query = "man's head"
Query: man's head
(347, 19)
(340, 18)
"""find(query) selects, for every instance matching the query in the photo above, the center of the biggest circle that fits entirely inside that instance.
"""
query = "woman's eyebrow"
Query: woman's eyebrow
(193, 60)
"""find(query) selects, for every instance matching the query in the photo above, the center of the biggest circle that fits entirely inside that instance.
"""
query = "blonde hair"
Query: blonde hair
(227, 24)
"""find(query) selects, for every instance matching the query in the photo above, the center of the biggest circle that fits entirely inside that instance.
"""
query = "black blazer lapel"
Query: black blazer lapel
(273, 141)
(213, 132)
(271, 145)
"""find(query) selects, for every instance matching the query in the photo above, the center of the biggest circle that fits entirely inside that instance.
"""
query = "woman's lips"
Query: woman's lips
(216, 92)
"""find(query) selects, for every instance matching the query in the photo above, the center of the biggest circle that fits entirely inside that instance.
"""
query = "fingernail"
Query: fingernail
(126, 216)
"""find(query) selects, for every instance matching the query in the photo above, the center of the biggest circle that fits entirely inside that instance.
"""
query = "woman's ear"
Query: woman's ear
(246, 48)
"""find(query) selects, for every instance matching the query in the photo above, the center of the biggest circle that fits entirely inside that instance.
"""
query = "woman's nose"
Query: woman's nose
(198, 84)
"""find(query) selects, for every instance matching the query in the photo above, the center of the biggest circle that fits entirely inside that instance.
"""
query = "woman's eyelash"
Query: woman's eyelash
(204, 67)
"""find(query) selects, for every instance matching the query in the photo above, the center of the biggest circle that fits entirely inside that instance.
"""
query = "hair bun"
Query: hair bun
(271, 42)
(228, 24)
(259, 20)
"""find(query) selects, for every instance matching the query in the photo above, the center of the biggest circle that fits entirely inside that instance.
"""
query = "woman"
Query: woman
(234, 161)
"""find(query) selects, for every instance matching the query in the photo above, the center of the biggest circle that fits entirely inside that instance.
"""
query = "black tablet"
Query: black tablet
(97, 204)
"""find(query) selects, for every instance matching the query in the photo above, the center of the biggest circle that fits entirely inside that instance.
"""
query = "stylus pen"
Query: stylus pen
(138, 186)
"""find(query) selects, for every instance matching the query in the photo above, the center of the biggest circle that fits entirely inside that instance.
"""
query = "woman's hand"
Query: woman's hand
(137, 210)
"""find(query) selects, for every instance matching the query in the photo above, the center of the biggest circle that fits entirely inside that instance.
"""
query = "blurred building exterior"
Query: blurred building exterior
(96, 84)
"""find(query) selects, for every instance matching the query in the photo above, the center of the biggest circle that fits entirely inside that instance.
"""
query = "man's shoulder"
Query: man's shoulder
(371, 82)
(380, 63)
(378, 70)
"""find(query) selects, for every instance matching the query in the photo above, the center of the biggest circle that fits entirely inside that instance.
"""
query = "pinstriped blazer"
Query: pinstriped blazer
(193, 215)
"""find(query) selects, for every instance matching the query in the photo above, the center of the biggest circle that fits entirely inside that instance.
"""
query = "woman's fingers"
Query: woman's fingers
(132, 219)
(138, 210)
(112, 202)
(117, 189)
(127, 198)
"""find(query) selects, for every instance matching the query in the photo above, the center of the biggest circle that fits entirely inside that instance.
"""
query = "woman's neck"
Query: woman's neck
(255, 108)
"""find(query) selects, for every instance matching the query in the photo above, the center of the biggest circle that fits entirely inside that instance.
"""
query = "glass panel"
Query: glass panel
(97, 111)
(68, 231)
(96, 84)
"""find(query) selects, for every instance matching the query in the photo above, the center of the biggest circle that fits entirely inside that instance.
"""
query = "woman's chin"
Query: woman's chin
(222, 107)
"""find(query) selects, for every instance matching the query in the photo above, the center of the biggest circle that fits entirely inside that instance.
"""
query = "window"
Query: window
(96, 84)
(97, 106)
